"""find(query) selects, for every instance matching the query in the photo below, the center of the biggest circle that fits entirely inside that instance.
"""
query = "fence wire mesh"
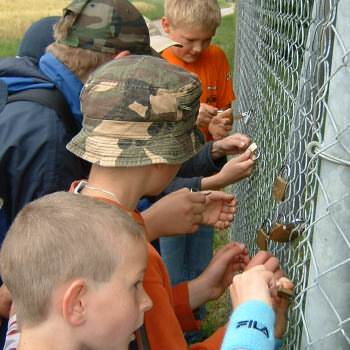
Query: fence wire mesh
(292, 81)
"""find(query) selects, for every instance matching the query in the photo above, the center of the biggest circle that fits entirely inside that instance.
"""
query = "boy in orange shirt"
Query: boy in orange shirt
(193, 25)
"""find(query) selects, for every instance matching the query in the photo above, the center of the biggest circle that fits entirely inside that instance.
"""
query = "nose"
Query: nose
(197, 47)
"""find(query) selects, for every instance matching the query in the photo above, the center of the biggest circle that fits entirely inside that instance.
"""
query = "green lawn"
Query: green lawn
(8, 47)
(150, 8)
(225, 35)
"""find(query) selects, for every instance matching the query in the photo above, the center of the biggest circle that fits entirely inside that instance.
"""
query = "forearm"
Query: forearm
(206, 162)
(212, 183)
(198, 292)
(152, 231)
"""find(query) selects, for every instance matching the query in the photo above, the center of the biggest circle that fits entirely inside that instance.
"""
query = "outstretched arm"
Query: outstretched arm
(218, 275)
(183, 211)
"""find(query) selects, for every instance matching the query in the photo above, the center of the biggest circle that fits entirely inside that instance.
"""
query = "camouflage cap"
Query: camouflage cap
(138, 110)
(108, 26)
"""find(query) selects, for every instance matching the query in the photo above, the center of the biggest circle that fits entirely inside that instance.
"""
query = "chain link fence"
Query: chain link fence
(292, 81)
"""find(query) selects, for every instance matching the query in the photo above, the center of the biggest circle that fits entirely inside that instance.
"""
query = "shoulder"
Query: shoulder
(215, 51)
(156, 271)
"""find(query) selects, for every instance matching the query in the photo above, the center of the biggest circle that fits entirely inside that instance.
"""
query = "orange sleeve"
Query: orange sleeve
(183, 309)
(162, 326)
(212, 343)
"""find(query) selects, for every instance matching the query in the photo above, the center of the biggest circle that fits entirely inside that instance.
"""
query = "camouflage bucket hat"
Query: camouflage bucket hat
(138, 110)
(107, 26)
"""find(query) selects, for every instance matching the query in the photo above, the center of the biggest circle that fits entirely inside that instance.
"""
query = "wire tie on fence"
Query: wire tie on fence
(313, 149)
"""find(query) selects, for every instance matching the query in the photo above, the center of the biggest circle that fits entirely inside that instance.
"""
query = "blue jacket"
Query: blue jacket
(33, 156)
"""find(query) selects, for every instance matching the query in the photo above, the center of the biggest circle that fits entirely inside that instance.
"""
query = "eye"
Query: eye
(138, 284)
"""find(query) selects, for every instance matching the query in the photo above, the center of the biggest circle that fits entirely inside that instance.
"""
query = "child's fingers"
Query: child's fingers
(259, 259)
(285, 282)
(272, 264)
(219, 195)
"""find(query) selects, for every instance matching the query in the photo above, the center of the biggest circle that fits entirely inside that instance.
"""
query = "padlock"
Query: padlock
(262, 239)
(254, 149)
(279, 189)
(282, 233)
(280, 185)
(285, 293)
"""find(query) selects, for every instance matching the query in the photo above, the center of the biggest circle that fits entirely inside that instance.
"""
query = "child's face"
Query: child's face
(194, 40)
(117, 308)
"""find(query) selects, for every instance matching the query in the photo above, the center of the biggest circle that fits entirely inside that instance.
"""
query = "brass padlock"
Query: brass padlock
(262, 238)
(285, 293)
(255, 152)
(280, 184)
(283, 233)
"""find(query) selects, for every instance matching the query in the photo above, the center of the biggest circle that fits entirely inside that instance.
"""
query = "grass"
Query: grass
(12, 26)
(225, 35)
(218, 311)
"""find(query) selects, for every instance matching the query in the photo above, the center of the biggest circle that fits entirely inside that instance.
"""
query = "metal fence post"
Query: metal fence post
(327, 309)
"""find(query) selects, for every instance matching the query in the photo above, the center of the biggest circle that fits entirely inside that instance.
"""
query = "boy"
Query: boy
(34, 132)
(87, 262)
(193, 24)
(81, 285)
(139, 126)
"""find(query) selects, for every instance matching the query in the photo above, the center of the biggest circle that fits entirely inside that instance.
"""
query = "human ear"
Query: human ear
(166, 24)
(122, 54)
(74, 303)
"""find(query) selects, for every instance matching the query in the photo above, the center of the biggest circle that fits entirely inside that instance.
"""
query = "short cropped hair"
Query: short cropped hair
(80, 61)
(58, 238)
(203, 13)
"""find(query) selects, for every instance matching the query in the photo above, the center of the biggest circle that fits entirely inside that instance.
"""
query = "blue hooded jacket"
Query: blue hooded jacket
(33, 156)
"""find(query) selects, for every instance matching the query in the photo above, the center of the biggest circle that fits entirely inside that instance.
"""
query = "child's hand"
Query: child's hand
(234, 170)
(218, 275)
(253, 284)
(227, 117)
(220, 208)
(176, 213)
(280, 305)
(230, 145)
(220, 125)
(269, 261)
(205, 115)
(237, 169)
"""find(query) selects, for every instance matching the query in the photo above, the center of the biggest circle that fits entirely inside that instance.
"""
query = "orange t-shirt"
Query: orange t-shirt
(213, 71)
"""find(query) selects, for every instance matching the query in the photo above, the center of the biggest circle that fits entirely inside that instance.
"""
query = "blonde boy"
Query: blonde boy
(193, 24)
(76, 278)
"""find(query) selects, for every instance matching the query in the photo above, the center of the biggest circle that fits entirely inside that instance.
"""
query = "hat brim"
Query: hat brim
(109, 151)
(159, 43)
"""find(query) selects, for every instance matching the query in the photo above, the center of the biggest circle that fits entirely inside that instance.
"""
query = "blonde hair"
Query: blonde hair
(58, 238)
(203, 13)
(80, 61)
